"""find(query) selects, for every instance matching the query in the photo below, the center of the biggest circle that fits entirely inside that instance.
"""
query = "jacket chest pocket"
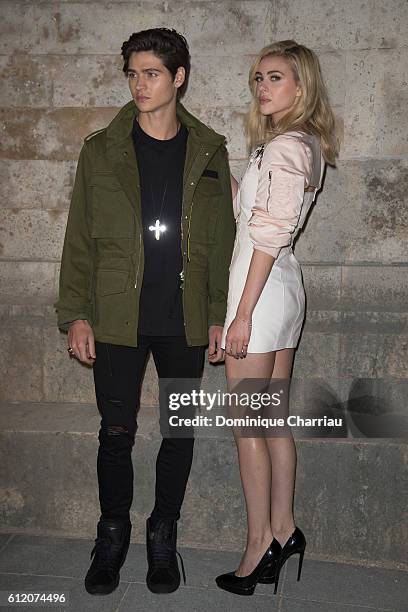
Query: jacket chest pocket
(112, 215)
(204, 210)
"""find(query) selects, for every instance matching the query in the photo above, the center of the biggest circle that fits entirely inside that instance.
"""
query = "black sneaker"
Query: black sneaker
(163, 575)
(110, 551)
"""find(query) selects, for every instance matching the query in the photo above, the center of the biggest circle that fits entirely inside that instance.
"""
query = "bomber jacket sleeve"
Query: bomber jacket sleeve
(221, 251)
(284, 174)
(76, 274)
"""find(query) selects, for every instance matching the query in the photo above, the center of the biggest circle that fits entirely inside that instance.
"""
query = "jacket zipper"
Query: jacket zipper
(138, 263)
(269, 189)
(188, 231)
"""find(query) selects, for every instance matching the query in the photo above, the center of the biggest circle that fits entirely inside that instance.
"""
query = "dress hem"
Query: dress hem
(268, 351)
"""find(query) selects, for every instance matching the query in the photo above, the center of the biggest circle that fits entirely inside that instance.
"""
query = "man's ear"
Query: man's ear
(180, 76)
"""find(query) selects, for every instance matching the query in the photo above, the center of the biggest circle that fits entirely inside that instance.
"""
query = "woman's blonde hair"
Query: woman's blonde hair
(311, 113)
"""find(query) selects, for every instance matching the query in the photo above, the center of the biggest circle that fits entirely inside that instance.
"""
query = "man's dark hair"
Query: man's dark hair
(170, 46)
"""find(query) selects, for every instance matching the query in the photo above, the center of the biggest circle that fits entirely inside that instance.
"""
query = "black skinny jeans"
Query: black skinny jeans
(118, 374)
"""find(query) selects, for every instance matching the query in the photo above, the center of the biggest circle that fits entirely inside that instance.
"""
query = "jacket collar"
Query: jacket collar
(120, 128)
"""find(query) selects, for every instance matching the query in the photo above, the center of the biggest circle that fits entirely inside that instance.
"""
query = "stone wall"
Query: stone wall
(61, 79)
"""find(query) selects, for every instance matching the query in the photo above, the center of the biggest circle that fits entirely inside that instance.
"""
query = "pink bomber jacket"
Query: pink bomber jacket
(290, 174)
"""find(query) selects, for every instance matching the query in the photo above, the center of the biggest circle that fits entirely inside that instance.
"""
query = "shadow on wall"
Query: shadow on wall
(372, 408)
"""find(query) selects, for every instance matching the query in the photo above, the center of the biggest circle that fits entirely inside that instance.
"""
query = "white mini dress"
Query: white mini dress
(273, 199)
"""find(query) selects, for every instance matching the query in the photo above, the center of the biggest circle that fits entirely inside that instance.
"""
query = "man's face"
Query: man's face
(151, 84)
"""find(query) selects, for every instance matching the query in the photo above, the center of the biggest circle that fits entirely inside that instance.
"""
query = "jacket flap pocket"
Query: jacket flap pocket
(109, 282)
(106, 182)
(209, 186)
(112, 213)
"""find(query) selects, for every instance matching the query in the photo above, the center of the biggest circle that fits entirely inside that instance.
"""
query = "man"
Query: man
(145, 268)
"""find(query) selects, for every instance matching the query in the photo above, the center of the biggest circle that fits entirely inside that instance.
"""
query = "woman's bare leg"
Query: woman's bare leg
(282, 452)
(254, 465)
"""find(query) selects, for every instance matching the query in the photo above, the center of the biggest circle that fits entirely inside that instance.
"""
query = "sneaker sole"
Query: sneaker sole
(162, 588)
(102, 589)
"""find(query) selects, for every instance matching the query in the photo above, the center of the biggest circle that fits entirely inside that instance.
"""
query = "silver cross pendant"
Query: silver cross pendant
(157, 228)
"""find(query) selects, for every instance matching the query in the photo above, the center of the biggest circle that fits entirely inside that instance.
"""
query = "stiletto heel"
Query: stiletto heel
(300, 563)
(295, 544)
(277, 579)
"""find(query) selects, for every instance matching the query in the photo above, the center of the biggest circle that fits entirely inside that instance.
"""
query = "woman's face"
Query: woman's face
(276, 89)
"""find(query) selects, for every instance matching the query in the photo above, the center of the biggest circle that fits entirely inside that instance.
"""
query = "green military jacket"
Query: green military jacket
(103, 256)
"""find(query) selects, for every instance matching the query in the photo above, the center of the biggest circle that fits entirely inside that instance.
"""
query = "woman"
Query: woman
(291, 133)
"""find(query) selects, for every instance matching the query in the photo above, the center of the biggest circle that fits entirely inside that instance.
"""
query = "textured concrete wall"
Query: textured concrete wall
(353, 510)
(61, 79)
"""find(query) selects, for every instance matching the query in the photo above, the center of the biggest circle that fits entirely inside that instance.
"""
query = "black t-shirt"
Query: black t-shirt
(161, 167)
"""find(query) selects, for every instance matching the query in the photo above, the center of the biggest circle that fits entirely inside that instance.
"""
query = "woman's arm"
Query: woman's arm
(239, 331)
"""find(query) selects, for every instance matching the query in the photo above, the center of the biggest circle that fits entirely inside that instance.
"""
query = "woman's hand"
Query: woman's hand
(238, 335)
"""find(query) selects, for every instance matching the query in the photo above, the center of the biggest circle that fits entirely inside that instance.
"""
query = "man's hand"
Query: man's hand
(81, 339)
(215, 352)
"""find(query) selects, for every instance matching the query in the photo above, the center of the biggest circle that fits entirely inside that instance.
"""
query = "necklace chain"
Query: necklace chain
(162, 202)
(158, 228)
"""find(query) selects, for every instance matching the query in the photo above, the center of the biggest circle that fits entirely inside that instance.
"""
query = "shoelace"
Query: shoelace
(161, 552)
(103, 549)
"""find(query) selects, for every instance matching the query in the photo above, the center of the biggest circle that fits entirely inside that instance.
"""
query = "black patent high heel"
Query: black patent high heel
(245, 585)
(295, 544)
